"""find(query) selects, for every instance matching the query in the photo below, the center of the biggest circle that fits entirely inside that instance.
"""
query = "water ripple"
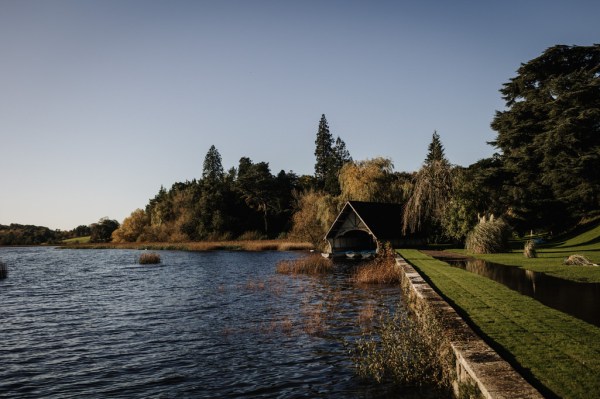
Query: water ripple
(201, 325)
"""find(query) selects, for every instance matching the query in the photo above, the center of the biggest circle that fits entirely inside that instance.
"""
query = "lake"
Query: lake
(94, 323)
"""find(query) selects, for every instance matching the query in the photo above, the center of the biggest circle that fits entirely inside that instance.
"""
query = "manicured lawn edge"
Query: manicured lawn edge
(557, 353)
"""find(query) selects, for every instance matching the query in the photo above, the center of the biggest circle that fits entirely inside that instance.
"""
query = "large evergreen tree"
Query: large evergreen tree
(549, 136)
(330, 155)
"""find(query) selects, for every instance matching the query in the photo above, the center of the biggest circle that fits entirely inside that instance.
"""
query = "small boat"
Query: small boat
(353, 255)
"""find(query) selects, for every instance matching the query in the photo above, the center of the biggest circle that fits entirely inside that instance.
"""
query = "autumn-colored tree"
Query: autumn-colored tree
(371, 180)
(132, 227)
(314, 213)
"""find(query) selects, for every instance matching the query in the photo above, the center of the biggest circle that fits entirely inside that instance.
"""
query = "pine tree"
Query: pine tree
(212, 171)
(435, 150)
(323, 151)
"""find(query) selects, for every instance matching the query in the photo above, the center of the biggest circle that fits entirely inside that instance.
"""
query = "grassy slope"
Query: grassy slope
(558, 353)
(551, 255)
(77, 240)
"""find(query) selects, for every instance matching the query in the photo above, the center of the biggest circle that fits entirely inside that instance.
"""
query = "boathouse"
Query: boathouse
(362, 226)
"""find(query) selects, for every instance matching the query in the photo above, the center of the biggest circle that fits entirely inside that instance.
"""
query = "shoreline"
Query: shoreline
(200, 246)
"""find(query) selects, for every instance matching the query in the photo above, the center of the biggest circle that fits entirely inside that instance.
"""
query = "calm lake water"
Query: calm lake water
(93, 323)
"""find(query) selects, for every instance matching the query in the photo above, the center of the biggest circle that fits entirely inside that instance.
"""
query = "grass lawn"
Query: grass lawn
(557, 353)
(77, 240)
(551, 255)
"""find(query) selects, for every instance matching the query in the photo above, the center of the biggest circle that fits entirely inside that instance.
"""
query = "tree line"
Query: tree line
(544, 175)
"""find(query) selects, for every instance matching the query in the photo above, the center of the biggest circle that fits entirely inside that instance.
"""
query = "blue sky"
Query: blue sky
(102, 102)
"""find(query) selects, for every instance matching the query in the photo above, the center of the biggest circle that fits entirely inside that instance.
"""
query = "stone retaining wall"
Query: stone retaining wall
(476, 363)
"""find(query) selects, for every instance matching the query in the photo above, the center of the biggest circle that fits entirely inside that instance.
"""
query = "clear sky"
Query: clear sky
(102, 102)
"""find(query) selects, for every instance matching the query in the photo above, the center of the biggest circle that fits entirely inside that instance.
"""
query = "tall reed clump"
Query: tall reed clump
(311, 264)
(529, 250)
(149, 258)
(489, 236)
(403, 351)
(381, 270)
(3, 270)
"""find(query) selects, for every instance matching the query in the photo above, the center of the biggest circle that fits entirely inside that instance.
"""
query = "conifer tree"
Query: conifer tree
(323, 151)
(549, 136)
(331, 156)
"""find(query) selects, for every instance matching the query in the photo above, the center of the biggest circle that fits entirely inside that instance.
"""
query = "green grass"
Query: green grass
(551, 255)
(557, 353)
(77, 240)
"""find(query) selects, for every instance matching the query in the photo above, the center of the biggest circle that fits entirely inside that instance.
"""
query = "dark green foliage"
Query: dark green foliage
(102, 231)
(550, 137)
(330, 157)
(17, 234)
(435, 151)
(223, 205)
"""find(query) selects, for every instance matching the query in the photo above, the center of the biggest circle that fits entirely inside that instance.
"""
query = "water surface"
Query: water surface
(93, 323)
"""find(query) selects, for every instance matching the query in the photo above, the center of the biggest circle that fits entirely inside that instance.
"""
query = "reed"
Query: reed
(149, 258)
(312, 264)
(381, 270)
(529, 250)
(3, 270)
(200, 246)
(578, 260)
(489, 236)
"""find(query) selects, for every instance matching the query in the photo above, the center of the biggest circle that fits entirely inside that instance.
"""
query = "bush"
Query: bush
(149, 258)
(489, 236)
(529, 250)
(311, 264)
(403, 351)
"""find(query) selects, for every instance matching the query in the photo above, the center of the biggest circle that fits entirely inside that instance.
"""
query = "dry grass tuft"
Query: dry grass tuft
(366, 315)
(381, 270)
(311, 264)
(529, 250)
(149, 258)
(578, 260)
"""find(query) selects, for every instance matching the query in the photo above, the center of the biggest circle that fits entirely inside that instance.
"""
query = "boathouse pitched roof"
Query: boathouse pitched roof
(382, 220)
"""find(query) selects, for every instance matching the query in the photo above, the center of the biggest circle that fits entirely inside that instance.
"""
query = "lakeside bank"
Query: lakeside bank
(556, 353)
(200, 246)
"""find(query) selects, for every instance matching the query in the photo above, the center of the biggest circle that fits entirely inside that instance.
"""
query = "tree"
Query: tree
(212, 171)
(132, 227)
(370, 180)
(323, 151)
(431, 191)
(212, 219)
(256, 186)
(102, 231)
(314, 212)
(549, 136)
(330, 157)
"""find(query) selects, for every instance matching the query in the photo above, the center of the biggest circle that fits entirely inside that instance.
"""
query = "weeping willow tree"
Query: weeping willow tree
(370, 180)
(431, 191)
